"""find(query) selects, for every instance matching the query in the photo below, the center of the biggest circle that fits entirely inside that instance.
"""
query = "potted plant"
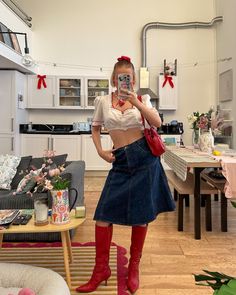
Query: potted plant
(222, 284)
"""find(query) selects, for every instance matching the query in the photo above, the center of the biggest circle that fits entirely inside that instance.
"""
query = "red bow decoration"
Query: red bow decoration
(41, 80)
(123, 57)
(168, 79)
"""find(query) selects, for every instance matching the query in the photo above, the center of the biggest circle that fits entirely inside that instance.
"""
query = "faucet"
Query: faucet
(50, 128)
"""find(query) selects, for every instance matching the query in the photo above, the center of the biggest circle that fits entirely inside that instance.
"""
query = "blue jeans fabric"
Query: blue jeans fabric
(136, 189)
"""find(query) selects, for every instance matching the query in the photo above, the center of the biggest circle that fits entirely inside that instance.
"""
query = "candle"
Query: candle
(80, 211)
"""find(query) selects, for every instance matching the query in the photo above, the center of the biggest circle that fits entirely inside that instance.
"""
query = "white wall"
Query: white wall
(93, 33)
(226, 48)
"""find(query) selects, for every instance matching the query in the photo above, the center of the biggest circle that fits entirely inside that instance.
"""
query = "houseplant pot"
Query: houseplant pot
(60, 205)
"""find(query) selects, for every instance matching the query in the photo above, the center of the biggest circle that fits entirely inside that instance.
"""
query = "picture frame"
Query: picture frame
(15, 42)
(6, 37)
(226, 86)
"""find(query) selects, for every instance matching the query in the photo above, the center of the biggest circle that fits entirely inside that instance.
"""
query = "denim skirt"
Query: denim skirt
(136, 189)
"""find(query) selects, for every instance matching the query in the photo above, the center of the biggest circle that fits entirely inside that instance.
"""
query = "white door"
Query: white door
(43, 97)
(89, 153)
(35, 144)
(67, 144)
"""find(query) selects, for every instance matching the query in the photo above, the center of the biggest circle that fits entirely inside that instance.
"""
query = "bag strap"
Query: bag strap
(143, 119)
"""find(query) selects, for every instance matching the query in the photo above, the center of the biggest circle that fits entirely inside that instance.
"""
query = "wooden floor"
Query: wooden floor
(170, 257)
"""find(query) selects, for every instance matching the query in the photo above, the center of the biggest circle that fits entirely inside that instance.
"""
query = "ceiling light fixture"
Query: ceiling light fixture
(27, 60)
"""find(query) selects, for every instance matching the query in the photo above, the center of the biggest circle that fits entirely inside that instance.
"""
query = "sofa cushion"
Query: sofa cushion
(28, 182)
(38, 162)
(8, 167)
(22, 170)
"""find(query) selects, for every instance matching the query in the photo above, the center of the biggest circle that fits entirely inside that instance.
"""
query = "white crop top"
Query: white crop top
(105, 114)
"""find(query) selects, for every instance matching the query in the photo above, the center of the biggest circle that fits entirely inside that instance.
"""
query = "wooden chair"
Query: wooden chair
(183, 189)
(219, 185)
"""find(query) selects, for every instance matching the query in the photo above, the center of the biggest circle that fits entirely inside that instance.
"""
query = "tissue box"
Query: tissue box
(80, 212)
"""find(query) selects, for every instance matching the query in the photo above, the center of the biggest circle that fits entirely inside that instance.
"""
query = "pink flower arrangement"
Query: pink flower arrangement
(50, 177)
(200, 120)
(46, 178)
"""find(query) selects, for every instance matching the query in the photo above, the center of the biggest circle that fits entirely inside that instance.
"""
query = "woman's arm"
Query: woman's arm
(104, 154)
(151, 115)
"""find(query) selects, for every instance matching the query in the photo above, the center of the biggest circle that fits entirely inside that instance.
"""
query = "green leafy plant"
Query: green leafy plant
(59, 183)
(221, 283)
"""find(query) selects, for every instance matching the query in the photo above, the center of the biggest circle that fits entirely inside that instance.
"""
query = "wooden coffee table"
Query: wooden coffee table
(63, 229)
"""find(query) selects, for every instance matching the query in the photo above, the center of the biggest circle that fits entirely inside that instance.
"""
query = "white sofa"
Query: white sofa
(14, 277)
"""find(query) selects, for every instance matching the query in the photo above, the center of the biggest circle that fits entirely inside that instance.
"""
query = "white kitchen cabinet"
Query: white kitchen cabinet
(168, 96)
(36, 144)
(7, 144)
(89, 153)
(66, 92)
(12, 112)
(70, 92)
(43, 97)
(67, 144)
(95, 86)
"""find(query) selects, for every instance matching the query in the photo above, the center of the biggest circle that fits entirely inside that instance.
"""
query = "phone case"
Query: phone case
(124, 81)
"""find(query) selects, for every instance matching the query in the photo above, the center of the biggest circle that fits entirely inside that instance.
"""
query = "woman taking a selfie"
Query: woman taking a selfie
(136, 189)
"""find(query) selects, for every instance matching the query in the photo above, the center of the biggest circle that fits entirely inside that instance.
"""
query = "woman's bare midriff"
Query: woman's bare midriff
(122, 138)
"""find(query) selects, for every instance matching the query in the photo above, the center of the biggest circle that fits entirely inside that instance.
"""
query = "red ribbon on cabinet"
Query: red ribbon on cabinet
(41, 80)
(169, 80)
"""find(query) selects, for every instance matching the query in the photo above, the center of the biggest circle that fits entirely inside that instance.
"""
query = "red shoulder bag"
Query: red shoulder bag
(153, 139)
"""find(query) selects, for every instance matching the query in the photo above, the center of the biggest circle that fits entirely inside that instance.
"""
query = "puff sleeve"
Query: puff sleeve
(98, 118)
(147, 101)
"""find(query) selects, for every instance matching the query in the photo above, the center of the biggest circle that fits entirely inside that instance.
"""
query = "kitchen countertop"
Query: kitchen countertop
(54, 129)
(65, 129)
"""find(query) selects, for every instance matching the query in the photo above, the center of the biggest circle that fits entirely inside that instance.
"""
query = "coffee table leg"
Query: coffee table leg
(66, 258)
(69, 246)
(1, 239)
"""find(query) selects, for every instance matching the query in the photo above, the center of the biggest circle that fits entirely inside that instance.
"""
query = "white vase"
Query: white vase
(195, 138)
(206, 140)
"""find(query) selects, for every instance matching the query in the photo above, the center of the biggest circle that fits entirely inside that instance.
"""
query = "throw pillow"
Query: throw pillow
(28, 182)
(22, 170)
(8, 167)
(37, 163)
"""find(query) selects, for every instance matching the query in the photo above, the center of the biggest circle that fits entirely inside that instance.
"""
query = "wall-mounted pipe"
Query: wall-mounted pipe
(18, 11)
(157, 25)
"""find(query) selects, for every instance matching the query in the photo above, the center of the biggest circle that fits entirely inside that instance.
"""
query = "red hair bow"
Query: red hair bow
(123, 57)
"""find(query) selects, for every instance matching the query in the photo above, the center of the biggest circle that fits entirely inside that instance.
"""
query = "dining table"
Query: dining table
(181, 160)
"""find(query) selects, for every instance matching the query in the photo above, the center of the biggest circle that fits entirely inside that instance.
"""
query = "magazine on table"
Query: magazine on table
(8, 215)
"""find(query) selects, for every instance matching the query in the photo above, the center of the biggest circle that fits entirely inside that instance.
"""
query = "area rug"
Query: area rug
(50, 255)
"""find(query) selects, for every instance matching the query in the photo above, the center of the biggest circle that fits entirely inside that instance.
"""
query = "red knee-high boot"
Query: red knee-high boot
(101, 271)
(137, 242)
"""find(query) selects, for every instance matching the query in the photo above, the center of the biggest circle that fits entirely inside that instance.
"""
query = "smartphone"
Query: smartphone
(124, 81)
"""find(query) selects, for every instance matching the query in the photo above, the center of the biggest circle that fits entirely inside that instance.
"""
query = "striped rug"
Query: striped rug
(81, 268)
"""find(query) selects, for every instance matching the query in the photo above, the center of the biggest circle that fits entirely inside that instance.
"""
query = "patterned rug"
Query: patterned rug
(50, 255)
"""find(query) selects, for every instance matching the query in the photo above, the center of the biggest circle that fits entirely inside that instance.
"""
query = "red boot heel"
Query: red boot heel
(101, 271)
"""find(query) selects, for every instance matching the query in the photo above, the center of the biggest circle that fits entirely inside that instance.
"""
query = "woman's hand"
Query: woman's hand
(107, 155)
(131, 96)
